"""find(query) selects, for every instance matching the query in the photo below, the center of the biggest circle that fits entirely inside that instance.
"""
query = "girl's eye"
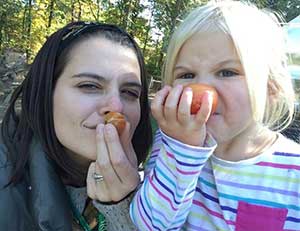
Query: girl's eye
(186, 76)
(227, 73)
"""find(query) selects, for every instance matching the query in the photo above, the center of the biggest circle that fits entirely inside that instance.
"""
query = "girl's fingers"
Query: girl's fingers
(171, 104)
(158, 102)
(205, 109)
(184, 107)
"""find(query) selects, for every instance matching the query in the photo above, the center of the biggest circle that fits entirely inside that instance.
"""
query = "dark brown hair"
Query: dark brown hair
(36, 94)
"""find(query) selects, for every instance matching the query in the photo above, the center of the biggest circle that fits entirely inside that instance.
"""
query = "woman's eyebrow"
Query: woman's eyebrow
(132, 84)
(102, 79)
(89, 75)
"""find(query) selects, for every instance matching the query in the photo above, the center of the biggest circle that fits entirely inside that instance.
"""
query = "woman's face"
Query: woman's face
(100, 76)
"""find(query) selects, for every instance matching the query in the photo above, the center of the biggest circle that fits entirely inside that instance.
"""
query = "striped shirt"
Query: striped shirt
(188, 188)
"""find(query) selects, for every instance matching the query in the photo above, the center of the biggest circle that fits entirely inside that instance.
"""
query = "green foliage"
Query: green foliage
(289, 9)
(10, 24)
(25, 24)
(166, 14)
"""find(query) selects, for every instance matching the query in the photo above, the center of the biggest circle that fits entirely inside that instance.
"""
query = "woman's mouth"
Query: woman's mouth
(93, 127)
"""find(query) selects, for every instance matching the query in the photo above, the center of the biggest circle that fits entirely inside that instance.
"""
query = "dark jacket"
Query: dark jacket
(39, 202)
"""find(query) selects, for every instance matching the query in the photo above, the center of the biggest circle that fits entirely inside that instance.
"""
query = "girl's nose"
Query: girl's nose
(204, 80)
(113, 104)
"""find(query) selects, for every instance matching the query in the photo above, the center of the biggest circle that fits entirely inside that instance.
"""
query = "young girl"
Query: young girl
(231, 169)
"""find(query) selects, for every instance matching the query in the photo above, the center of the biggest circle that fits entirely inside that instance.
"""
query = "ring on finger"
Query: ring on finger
(97, 177)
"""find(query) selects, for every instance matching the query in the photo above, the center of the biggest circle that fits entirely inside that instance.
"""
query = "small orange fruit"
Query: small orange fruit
(116, 119)
(198, 90)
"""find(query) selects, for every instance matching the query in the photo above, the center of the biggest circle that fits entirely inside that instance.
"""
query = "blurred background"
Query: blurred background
(293, 31)
(25, 25)
(293, 43)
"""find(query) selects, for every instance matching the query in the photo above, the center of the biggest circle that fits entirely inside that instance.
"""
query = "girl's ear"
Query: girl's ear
(274, 92)
(274, 89)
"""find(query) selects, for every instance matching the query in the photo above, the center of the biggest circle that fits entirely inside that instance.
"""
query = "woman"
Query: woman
(56, 153)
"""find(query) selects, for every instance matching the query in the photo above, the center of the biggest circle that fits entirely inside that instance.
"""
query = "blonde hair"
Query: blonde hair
(261, 44)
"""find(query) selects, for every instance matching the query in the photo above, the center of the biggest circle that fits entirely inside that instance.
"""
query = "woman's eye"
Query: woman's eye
(89, 86)
(186, 76)
(227, 73)
(131, 94)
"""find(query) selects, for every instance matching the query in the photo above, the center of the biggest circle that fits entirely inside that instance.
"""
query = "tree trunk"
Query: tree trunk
(98, 10)
(72, 10)
(2, 20)
(51, 7)
(134, 16)
(148, 32)
(126, 14)
(79, 11)
(28, 31)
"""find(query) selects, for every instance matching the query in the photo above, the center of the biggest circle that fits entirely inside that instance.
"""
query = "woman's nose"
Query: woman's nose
(112, 104)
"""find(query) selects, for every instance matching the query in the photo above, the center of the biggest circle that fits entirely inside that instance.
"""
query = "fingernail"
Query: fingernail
(209, 97)
(108, 129)
(188, 89)
(179, 86)
(189, 94)
(99, 128)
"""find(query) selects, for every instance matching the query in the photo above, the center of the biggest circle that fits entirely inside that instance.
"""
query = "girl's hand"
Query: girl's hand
(171, 107)
(116, 163)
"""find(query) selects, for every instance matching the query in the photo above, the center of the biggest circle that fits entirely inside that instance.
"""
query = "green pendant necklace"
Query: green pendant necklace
(84, 224)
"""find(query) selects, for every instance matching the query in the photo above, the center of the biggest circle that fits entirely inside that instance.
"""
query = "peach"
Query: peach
(198, 90)
(116, 119)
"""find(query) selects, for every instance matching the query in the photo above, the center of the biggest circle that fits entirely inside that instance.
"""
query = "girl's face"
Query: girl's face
(100, 76)
(211, 58)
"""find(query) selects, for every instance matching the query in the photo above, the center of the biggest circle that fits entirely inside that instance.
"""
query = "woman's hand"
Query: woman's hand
(116, 163)
(171, 108)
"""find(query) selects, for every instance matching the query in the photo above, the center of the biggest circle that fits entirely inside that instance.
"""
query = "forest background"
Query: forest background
(25, 24)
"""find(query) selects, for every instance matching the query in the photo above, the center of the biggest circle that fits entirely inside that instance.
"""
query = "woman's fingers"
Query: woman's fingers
(119, 175)
(104, 167)
(126, 172)
(103, 162)
(96, 189)
(90, 182)
(126, 141)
